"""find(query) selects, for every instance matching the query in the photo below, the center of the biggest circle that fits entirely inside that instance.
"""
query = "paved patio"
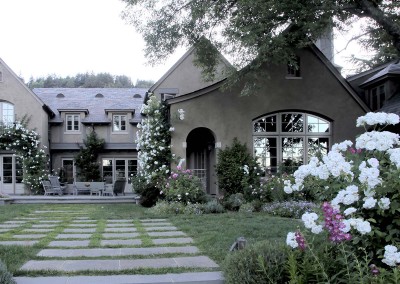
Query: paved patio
(119, 250)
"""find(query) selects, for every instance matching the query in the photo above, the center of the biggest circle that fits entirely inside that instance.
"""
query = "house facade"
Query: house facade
(113, 113)
(16, 103)
(289, 117)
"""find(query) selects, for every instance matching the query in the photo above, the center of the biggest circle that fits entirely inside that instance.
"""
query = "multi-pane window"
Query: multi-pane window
(7, 113)
(119, 122)
(377, 97)
(293, 68)
(72, 122)
(288, 140)
(115, 168)
(67, 174)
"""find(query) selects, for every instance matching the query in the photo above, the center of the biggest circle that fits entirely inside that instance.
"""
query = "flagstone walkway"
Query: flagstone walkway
(117, 247)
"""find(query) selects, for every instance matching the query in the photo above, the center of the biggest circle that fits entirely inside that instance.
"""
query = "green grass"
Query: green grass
(213, 234)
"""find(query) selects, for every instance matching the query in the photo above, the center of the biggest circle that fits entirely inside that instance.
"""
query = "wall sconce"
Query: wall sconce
(218, 145)
(184, 145)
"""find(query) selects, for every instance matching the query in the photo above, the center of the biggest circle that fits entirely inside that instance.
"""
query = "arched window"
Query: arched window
(6, 113)
(289, 139)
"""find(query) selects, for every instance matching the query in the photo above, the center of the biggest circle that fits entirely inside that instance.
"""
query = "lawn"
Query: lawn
(213, 234)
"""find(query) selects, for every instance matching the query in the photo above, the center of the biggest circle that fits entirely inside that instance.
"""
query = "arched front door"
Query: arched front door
(200, 157)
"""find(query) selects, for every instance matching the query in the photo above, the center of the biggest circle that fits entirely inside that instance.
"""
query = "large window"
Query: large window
(288, 140)
(7, 113)
(73, 122)
(115, 168)
(377, 97)
(68, 171)
(119, 122)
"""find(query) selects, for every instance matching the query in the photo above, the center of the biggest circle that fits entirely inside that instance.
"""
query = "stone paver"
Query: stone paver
(37, 230)
(182, 278)
(69, 244)
(119, 264)
(98, 252)
(153, 220)
(120, 229)
(18, 243)
(44, 225)
(73, 236)
(113, 225)
(172, 241)
(119, 221)
(120, 235)
(50, 221)
(153, 224)
(80, 230)
(133, 242)
(166, 234)
(15, 222)
(165, 228)
(8, 226)
(84, 221)
(31, 236)
(5, 230)
(83, 225)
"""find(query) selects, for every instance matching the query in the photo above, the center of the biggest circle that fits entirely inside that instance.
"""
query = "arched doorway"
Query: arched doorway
(200, 157)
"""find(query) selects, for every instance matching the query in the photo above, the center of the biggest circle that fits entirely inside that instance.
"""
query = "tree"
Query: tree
(252, 32)
(86, 159)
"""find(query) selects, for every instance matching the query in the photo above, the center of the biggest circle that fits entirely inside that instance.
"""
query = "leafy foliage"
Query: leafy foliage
(86, 159)
(251, 32)
(5, 275)
(237, 170)
(182, 186)
(26, 144)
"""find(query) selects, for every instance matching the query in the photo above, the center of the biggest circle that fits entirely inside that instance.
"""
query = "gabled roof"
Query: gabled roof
(89, 101)
(331, 67)
(45, 108)
(392, 69)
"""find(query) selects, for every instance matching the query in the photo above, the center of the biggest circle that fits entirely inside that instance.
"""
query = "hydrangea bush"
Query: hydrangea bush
(359, 188)
(26, 144)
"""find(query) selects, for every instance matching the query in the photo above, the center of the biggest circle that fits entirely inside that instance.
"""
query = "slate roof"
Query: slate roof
(89, 100)
(390, 70)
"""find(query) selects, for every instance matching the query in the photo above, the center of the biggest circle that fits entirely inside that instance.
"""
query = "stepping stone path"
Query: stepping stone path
(85, 246)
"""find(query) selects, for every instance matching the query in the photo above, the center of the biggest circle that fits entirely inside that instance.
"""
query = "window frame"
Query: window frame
(10, 117)
(378, 92)
(78, 122)
(291, 70)
(120, 115)
(279, 135)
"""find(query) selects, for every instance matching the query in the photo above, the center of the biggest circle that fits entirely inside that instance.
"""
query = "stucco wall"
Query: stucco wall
(14, 91)
(229, 115)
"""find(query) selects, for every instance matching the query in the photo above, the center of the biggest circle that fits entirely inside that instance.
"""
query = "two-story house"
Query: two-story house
(112, 113)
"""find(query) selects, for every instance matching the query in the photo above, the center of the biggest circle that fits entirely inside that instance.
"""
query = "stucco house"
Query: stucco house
(292, 114)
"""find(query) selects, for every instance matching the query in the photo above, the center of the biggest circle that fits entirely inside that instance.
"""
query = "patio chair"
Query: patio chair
(48, 189)
(55, 184)
(119, 186)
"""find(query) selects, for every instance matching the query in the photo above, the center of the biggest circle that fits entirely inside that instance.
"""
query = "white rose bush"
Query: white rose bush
(358, 186)
(26, 144)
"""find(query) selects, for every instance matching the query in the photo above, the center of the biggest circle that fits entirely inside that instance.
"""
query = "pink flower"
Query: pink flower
(179, 168)
(300, 240)
(175, 176)
(334, 224)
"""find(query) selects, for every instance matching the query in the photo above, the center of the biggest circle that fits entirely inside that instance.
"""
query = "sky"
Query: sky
(66, 37)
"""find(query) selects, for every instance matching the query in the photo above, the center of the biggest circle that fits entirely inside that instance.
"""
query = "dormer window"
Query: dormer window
(119, 122)
(165, 97)
(293, 68)
(1, 76)
(377, 97)
(73, 122)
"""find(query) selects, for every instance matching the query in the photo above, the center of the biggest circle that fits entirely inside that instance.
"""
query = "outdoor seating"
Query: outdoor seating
(48, 189)
(119, 186)
(97, 188)
(55, 184)
(81, 187)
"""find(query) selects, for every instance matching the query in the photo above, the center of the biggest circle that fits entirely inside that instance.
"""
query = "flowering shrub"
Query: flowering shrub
(363, 186)
(182, 186)
(153, 141)
(26, 144)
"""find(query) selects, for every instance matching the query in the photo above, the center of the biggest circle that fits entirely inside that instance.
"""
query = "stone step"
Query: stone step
(118, 264)
(99, 252)
(181, 278)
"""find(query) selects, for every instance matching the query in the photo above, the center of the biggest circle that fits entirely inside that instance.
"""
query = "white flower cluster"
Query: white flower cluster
(370, 175)
(376, 140)
(291, 240)
(346, 196)
(246, 169)
(362, 226)
(394, 156)
(152, 141)
(374, 118)
(391, 256)
(309, 222)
